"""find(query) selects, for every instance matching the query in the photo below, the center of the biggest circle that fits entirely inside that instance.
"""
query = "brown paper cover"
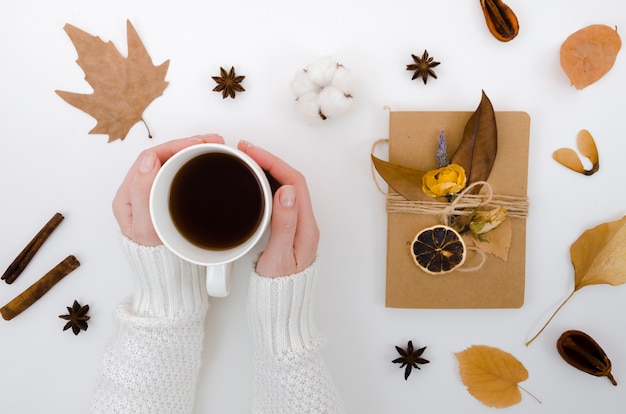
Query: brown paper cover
(413, 140)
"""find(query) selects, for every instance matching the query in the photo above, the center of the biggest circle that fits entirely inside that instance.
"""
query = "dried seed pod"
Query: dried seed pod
(501, 20)
(580, 351)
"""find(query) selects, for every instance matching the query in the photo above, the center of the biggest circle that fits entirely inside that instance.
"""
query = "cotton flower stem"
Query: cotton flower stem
(551, 317)
(529, 393)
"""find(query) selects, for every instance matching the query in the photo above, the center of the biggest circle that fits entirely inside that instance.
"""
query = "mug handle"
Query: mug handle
(218, 279)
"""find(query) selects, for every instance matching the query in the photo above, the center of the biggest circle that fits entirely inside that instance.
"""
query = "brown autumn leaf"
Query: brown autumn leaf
(491, 375)
(587, 147)
(478, 148)
(406, 181)
(598, 257)
(122, 87)
(588, 54)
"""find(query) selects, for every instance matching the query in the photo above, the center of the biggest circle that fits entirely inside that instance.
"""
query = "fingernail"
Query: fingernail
(246, 143)
(288, 196)
(147, 163)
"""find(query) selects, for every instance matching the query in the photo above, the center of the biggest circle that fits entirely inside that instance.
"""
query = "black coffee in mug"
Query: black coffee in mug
(216, 201)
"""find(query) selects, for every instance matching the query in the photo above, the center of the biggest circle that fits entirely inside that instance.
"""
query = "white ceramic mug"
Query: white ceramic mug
(218, 261)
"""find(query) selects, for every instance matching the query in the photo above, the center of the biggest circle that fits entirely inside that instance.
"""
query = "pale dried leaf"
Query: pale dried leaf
(498, 241)
(589, 54)
(491, 375)
(123, 87)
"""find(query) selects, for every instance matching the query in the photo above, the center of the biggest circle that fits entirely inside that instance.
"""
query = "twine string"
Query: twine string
(464, 204)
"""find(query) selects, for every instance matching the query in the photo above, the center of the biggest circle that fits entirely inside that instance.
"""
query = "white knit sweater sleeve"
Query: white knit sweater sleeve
(289, 373)
(151, 362)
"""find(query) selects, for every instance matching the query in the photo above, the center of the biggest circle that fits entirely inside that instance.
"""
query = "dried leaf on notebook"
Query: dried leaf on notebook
(478, 148)
(406, 181)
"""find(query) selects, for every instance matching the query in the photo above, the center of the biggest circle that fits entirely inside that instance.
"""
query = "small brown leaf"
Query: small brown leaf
(588, 54)
(478, 148)
(492, 375)
(406, 181)
(122, 87)
(587, 147)
(598, 257)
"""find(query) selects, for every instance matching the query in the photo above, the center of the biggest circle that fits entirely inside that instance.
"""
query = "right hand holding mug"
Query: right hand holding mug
(294, 235)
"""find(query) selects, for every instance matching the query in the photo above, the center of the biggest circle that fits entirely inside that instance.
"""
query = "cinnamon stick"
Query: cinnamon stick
(39, 288)
(22, 260)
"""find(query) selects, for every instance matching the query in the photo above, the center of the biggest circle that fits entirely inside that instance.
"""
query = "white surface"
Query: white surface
(49, 163)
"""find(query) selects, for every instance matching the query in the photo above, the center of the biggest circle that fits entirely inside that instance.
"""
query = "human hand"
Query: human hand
(294, 235)
(131, 205)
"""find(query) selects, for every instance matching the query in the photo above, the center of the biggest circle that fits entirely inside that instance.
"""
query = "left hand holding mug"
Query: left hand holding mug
(131, 205)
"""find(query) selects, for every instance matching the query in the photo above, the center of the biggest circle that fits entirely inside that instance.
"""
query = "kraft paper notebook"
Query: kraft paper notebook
(413, 140)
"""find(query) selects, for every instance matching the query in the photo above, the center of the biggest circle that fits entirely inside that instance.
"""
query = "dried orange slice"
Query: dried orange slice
(438, 249)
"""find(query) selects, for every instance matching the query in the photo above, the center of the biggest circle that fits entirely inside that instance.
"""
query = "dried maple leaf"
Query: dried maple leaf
(587, 147)
(123, 87)
(491, 375)
(589, 54)
(598, 257)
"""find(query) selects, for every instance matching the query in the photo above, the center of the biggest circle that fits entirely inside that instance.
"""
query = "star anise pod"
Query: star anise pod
(423, 67)
(410, 358)
(228, 83)
(77, 318)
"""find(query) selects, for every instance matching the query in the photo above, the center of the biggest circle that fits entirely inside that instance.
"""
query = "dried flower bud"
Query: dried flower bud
(484, 221)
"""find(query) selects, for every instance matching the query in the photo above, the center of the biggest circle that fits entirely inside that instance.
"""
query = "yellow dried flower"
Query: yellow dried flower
(445, 181)
(485, 221)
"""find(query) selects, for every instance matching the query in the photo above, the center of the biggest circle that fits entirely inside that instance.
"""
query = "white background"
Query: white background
(49, 163)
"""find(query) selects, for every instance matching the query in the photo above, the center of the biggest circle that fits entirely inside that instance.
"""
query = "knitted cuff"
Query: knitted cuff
(166, 286)
(280, 314)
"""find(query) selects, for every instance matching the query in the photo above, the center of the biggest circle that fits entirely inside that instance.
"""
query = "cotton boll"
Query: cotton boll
(308, 105)
(323, 89)
(334, 102)
(322, 70)
(342, 79)
(302, 84)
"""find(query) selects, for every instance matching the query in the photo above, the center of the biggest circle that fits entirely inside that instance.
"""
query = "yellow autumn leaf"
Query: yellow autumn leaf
(598, 257)
(491, 375)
